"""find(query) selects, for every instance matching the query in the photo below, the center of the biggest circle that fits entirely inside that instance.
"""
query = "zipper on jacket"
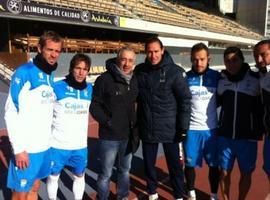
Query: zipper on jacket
(201, 80)
(235, 109)
(251, 122)
(48, 80)
(78, 94)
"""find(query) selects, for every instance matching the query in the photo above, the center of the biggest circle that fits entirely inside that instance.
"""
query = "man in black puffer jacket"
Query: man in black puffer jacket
(113, 106)
(163, 113)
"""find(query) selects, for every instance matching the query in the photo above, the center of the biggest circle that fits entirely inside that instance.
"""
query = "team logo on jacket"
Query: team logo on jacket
(40, 75)
(85, 93)
(70, 89)
(17, 80)
(209, 81)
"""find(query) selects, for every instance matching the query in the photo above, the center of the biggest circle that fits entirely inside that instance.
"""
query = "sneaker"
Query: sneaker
(191, 195)
(213, 197)
(124, 198)
(153, 196)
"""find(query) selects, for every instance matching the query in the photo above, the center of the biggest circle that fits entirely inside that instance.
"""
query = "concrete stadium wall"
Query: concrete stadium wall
(3, 97)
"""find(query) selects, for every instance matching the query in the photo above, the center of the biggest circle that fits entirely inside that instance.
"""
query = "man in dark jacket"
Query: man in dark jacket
(113, 106)
(240, 124)
(262, 58)
(163, 113)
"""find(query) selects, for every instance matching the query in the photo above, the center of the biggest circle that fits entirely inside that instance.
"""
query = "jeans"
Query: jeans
(171, 151)
(108, 152)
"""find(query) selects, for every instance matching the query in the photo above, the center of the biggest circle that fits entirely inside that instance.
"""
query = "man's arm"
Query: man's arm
(98, 109)
(183, 98)
(12, 118)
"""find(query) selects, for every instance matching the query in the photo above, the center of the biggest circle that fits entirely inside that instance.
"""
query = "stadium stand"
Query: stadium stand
(162, 11)
(30, 43)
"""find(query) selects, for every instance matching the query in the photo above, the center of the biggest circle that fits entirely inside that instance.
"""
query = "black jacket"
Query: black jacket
(241, 107)
(113, 103)
(163, 101)
(265, 92)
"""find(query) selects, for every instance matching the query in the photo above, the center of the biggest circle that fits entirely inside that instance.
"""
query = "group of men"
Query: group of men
(157, 101)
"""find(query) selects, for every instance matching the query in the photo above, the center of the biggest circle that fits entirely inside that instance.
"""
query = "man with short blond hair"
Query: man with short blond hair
(28, 115)
(201, 141)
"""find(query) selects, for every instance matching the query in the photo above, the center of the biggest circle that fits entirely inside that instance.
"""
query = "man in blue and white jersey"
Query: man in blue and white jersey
(28, 115)
(201, 136)
(70, 126)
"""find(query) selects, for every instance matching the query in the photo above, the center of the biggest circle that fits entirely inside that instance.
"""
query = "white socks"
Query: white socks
(78, 187)
(52, 186)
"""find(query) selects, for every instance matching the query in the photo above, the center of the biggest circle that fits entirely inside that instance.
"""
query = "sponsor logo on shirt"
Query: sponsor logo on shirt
(23, 182)
(47, 97)
(75, 108)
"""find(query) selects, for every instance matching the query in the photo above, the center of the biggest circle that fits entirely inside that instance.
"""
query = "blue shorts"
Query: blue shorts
(23, 180)
(266, 156)
(199, 145)
(77, 159)
(245, 151)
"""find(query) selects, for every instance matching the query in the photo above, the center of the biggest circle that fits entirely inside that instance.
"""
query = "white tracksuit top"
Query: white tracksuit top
(29, 109)
(203, 103)
(70, 116)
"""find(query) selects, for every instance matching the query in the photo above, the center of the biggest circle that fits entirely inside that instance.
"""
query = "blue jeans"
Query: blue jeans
(108, 151)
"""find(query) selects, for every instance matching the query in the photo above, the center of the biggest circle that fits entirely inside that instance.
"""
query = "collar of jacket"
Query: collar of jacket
(240, 75)
(43, 65)
(71, 81)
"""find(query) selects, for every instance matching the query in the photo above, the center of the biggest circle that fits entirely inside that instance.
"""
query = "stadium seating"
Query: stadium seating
(30, 43)
(161, 11)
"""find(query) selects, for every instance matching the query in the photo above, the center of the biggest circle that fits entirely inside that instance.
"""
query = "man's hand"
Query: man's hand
(183, 135)
(22, 160)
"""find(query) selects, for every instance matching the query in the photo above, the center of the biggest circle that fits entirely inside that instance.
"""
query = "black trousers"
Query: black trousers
(171, 151)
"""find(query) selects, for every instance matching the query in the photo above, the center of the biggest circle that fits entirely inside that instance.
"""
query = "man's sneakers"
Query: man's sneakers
(153, 196)
(213, 196)
(191, 195)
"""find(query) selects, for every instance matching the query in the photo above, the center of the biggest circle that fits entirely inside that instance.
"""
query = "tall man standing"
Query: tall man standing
(163, 113)
(262, 59)
(201, 141)
(28, 115)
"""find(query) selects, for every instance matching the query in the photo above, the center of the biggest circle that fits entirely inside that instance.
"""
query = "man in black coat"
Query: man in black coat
(113, 106)
(163, 113)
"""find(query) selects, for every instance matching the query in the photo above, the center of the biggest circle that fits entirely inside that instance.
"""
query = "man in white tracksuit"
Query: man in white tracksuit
(28, 115)
(70, 126)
